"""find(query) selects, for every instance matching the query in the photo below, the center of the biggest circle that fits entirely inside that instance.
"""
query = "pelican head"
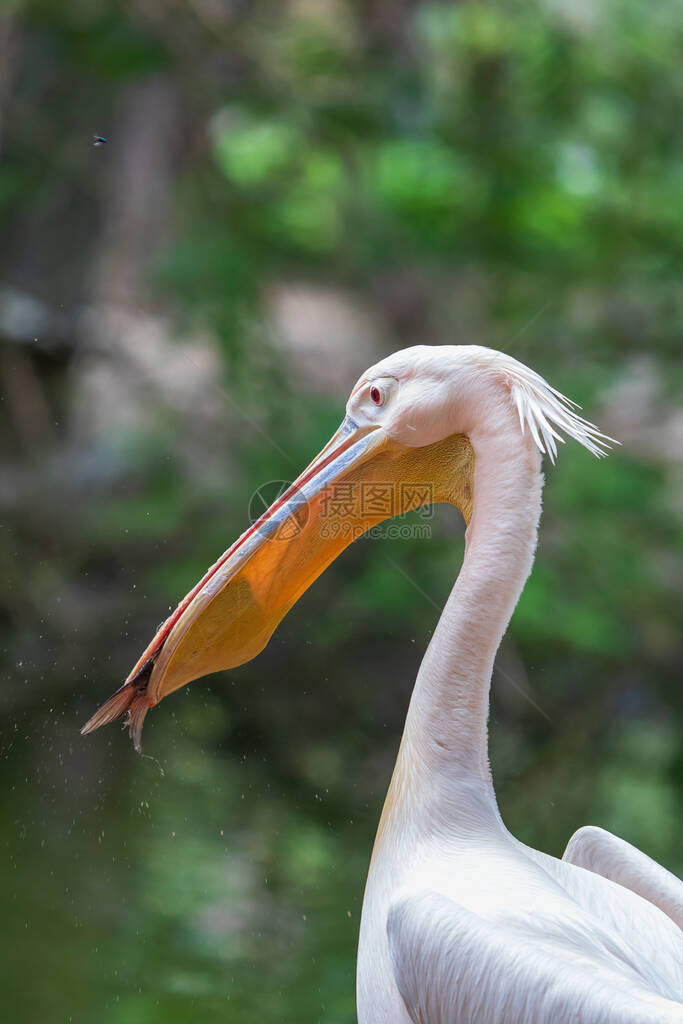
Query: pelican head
(408, 439)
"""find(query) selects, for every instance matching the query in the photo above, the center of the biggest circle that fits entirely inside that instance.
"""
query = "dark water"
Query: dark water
(194, 888)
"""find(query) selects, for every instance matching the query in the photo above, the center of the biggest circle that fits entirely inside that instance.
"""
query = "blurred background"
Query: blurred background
(289, 190)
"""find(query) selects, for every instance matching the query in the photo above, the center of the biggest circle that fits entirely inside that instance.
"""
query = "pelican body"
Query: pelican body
(461, 922)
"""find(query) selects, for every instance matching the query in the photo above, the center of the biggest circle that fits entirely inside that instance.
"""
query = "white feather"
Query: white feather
(542, 407)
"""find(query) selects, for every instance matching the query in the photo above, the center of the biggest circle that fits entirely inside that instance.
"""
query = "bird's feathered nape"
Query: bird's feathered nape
(542, 409)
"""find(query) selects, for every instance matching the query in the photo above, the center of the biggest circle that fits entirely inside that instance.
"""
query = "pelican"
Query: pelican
(461, 922)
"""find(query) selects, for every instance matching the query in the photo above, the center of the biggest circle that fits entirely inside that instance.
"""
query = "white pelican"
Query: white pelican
(461, 922)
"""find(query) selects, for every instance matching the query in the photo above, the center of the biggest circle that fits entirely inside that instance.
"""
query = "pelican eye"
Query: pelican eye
(377, 395)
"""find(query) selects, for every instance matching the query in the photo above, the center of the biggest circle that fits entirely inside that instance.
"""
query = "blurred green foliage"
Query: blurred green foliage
(507, 174)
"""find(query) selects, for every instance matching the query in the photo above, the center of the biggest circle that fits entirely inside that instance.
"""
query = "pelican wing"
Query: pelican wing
(604, 854)
(450, 965)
